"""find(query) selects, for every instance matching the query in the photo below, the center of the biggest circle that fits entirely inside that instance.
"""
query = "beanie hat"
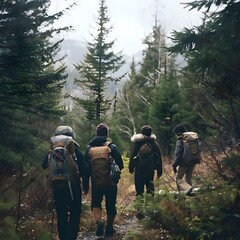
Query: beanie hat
(102, 130)
(179, 129)
(146, 130)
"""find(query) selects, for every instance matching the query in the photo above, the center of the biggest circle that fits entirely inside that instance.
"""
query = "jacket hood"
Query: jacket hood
(97, 141)
(140, 137)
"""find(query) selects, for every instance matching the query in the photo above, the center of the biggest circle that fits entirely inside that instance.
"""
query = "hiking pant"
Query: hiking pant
(68, 211)
(185, 171)
(110, 194)
(144, 178)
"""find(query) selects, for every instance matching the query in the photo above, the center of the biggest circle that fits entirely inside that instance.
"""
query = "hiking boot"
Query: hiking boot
(109, 231)
(189, 191)
(100, 227)
(139, 215)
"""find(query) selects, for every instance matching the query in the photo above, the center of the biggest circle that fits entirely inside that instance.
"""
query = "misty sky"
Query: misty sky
(132, 20)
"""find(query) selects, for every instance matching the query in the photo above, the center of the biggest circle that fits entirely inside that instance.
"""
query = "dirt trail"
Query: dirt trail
(128, 223)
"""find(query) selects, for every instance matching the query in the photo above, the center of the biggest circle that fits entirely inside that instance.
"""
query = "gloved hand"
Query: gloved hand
(174, 168)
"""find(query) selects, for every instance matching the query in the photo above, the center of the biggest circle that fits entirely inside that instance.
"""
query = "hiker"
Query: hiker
(99, 153)
(185, 159)
(145, 159)
(67, 164)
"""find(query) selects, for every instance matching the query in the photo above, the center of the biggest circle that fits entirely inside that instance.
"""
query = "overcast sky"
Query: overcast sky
(132, 20)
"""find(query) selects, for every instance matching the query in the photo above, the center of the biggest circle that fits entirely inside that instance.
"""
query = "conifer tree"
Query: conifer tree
(97, 69)
(212, 53)
(30, 84)
(30, 87)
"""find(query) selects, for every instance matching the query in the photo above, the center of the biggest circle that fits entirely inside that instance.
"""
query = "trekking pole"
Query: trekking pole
(158, 189)
(52, 221)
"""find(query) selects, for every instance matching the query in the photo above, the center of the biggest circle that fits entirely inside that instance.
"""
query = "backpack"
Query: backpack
(115, 173)
(62, 162)
(105, 171)
(192, 152)
(147, 157)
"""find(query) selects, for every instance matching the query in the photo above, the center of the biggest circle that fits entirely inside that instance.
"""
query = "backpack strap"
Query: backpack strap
(107, 143)
(148, 143)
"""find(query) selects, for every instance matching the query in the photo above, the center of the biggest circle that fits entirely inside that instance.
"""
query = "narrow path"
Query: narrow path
(122, 226)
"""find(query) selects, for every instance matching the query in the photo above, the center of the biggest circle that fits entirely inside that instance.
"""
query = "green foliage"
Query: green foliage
(30, 82)
(7, 226)
(133, 235)
(164, 110)
(208, 215)
(213, 59)
(231, 165)
(44, 236)
(7, 230)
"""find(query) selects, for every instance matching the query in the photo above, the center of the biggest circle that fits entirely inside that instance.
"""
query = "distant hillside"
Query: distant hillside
(75, 52)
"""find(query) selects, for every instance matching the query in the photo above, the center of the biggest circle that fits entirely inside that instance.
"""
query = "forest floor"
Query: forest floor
(35, 223)
(123, 224)
(127, 227)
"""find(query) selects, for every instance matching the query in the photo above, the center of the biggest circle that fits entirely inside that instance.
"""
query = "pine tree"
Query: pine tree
(212, 53)
(30, 85)
(30, 88)
(97, 69)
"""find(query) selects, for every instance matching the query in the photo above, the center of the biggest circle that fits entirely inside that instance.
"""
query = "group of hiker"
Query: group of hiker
(71, 173)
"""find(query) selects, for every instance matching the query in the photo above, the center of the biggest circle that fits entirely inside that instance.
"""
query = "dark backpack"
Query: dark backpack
(115, 173)
(105, 171)
(62, 162)
(147, 157)
(192, 152)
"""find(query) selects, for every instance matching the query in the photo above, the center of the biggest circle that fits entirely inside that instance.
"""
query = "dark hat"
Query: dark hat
(146, 130)
(179, 129)
(102, 130)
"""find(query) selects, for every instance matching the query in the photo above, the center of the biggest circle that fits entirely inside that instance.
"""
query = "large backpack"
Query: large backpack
(148, 159)
(105, 171)
(62, 162)
(192, 152)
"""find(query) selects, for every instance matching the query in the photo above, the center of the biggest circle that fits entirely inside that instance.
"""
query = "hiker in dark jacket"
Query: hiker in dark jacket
(109, 191)
(68, 202)
(144, 176)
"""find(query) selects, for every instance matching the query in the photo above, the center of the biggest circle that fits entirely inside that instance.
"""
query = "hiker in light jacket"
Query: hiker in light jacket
(180, 168)
(68, 202)
(144, 176)
(109, 191)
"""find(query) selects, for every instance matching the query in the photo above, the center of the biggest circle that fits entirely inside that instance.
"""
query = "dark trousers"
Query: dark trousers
(68, 211)
(144, 177)
(110, 194)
